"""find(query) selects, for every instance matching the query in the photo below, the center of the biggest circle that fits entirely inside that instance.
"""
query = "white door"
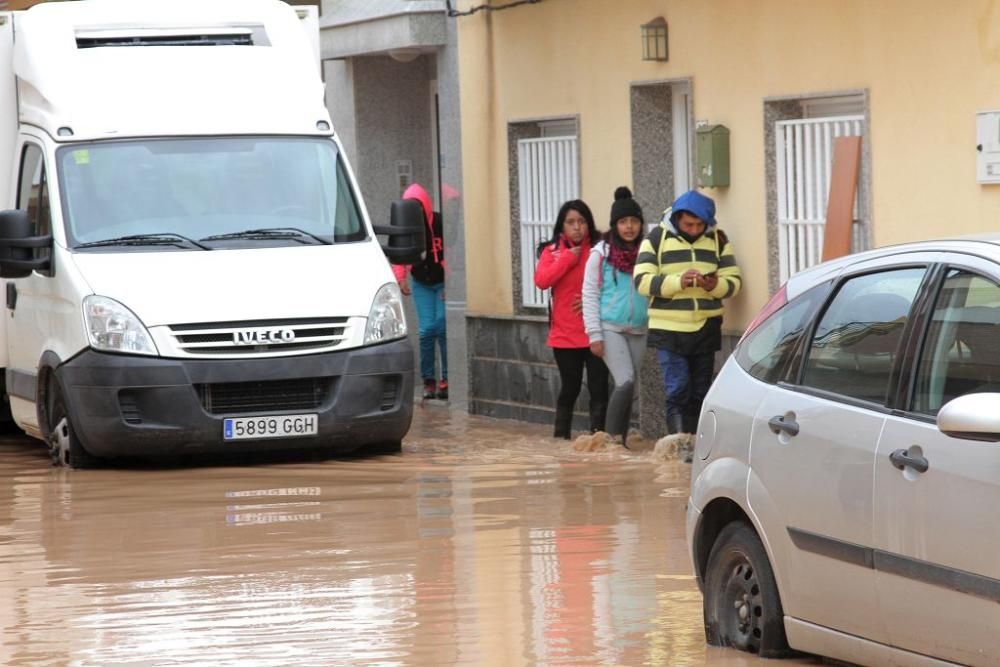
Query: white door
(29, 320)
(813, 449)
(8, 106)
(548, 176)
(680, 121)
(937, 538)
(804, 153)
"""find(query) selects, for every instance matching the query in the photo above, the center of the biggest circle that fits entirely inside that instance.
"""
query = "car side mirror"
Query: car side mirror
(17, 259)
(406, 242)
(971, 417)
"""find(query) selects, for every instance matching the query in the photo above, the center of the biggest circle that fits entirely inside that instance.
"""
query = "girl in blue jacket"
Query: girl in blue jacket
(614, 313)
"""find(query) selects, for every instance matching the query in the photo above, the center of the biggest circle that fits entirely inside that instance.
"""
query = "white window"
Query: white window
(804, 154)
(548, 175)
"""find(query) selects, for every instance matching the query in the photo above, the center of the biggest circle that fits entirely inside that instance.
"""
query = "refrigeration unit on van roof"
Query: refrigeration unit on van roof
(124, 68)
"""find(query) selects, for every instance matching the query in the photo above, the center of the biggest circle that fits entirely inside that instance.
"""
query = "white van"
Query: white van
(189, 266)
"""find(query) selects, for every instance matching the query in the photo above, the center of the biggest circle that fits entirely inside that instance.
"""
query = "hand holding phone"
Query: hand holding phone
(709, 281)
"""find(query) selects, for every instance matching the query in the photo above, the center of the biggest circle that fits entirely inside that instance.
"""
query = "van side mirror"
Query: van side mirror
(17, 259)
(971, 417)
(406, 242)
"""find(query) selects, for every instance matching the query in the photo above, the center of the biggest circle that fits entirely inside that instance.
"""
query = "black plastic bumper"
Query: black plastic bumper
(125, 406)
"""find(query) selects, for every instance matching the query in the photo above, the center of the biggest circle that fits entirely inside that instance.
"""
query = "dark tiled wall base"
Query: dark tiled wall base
(514, 376)
(512, 372)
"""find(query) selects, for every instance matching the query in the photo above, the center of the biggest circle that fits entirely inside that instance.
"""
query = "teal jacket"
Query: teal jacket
(610, 300)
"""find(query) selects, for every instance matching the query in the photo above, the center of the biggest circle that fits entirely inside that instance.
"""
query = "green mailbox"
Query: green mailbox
(712, 152)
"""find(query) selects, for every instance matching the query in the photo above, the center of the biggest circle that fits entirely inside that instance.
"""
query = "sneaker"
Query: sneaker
(442, 392)
(430, 389)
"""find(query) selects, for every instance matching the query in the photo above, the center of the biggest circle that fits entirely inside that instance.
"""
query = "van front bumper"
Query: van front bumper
(134, 406)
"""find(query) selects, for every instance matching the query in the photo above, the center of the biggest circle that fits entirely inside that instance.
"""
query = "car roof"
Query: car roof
(986, 245)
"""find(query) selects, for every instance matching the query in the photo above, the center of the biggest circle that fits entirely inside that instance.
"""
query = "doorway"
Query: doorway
(662, 144)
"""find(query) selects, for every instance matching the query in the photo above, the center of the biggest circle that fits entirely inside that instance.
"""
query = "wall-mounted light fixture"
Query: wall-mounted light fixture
(404, 55)
(654, 40)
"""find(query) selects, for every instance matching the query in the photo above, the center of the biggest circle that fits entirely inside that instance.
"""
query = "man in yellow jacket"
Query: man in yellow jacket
(687, 267)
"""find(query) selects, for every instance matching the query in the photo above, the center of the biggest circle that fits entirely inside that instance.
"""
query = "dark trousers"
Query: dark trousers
(571, 362)
(686, 379)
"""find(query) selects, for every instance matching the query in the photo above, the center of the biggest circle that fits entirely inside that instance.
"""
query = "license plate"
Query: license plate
(281, 426)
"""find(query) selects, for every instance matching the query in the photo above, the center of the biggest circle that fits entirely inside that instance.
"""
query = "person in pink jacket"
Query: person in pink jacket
(561, 267)
(428, 296)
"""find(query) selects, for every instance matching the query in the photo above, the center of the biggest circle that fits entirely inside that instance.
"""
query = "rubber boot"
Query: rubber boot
(691, 424)
(564, 422)
(598, 416)
(675, 423)
(619, 409)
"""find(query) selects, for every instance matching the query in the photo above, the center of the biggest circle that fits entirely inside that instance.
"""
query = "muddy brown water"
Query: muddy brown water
(484, 543)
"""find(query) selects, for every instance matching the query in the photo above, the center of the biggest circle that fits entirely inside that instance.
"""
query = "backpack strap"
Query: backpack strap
(656, 240)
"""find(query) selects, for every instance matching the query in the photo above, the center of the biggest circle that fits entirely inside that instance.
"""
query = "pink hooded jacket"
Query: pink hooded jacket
(417, 192)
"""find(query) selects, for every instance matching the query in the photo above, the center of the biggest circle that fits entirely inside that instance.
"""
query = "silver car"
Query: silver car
(845, 493)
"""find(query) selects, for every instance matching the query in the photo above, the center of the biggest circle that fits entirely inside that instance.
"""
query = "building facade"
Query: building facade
(558, 101)
(391, 72)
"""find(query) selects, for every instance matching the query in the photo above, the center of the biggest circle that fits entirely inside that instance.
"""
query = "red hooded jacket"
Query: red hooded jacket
(434, 236)
(562, 270)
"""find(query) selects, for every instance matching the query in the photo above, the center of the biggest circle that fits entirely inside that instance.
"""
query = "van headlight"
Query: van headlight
(386, 320)
(114, 328)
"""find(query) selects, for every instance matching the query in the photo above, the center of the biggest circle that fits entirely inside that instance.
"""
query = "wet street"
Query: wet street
(484, 543)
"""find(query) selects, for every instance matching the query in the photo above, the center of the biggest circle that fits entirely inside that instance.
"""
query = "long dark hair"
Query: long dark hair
(580, 207)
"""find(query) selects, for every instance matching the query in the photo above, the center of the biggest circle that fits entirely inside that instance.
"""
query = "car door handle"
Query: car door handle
(778, 424)
(901, 459)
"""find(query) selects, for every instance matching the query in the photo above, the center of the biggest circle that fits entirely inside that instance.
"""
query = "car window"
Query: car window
(961, 352)
(767, 350)
(856, 341)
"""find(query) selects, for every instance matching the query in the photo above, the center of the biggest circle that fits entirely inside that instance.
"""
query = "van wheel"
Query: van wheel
(64, 447)
(742, 606)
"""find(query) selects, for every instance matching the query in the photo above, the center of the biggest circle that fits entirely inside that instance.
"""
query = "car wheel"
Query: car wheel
(742, 606)
(65, 448)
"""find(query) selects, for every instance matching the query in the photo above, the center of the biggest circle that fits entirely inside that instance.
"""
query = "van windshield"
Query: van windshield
(206, 193)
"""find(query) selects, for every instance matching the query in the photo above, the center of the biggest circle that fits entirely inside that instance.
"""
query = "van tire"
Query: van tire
(742, 606)
(65, 449)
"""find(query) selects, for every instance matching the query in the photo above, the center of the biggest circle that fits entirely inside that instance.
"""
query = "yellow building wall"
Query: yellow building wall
(928, 68)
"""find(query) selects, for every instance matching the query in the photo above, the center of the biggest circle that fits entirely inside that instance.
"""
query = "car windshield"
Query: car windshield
(206, 193)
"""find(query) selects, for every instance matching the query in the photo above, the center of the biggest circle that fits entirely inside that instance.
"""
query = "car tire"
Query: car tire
(65, 449)
(742, 606)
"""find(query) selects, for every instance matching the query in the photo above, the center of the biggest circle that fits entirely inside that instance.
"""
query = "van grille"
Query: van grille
(267, 336)
(264, 396)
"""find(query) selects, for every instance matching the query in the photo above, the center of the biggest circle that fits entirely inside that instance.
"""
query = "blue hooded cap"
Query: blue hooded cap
(694, 203)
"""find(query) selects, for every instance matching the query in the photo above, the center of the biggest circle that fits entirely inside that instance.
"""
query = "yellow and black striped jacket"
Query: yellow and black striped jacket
(664, 257)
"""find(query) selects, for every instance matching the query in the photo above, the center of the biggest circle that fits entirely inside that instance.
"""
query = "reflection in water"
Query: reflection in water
(485, 543)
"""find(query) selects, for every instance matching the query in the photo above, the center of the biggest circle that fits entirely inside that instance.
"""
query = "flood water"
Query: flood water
(484, 543)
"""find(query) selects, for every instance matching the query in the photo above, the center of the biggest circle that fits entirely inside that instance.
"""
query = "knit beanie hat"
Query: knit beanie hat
(624, 206)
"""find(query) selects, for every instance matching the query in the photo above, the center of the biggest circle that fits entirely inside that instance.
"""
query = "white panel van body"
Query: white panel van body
(189, 266)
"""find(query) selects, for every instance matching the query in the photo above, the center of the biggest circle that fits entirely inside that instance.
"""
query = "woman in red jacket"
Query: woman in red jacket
(560, 267)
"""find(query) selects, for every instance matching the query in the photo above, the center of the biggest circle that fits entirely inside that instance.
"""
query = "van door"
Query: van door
(813, 449)
(30, 300)
(937, 537)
